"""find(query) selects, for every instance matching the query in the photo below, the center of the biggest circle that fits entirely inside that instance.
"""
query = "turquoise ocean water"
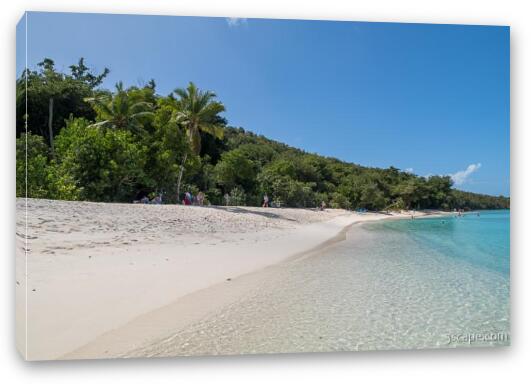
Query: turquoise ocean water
(479, 238)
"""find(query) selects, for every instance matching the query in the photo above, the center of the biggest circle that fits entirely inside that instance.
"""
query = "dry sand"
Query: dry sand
(102, 279)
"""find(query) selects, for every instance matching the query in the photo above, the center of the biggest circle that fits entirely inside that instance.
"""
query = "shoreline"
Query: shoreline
(377, 290)
(103, 290)
(141, 336)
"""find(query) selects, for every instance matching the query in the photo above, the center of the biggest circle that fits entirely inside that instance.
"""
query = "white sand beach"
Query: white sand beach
(103, 279)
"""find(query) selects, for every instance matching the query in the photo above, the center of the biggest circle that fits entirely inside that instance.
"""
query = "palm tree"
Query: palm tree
(120, 111)
(197, 112)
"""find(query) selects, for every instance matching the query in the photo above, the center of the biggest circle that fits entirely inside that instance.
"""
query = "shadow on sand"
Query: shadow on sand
(270, 215)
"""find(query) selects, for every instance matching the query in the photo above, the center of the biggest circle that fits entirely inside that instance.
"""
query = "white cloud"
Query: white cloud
(461, 177)
(236, 21)
(408, 170)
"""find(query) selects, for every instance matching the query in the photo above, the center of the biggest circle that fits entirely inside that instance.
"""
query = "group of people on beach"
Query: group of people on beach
(146, 200)
(266, 203)
(191, 199)
(199, 199)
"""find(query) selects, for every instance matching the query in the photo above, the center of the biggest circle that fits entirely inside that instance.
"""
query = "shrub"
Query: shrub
(106, 163)
(36, 167)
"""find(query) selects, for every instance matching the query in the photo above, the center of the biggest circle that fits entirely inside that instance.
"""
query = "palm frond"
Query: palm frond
(142, 114)
(141, 106)
(99, 124)
(213, 130)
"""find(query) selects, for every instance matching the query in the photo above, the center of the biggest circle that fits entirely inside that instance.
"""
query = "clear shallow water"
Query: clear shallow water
(391, 285)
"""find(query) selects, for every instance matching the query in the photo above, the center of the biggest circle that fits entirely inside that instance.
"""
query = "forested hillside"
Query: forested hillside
(88, 143)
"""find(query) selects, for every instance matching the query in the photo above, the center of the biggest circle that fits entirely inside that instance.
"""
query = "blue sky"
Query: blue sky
(432, 99)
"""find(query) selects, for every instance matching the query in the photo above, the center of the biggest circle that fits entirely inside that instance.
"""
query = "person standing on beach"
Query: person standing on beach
(265, 203)
(227, 199)
(187, 198)
(200, 198)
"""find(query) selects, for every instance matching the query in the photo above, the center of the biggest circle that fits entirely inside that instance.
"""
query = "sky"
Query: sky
(428, 99)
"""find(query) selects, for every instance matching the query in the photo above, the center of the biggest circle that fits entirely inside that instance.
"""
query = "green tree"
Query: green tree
(277, 179)
(340, 201)
(237, 196)
(410, 192)
(44, 179)
(107, 164)
(439, 191)
(235, 169)
(32, 166)
(197, 111)
(120, 110)
(372, 196)
(45, 98)
(166, 147)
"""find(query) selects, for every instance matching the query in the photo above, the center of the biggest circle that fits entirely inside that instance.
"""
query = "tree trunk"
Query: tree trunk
(180, 178)
(50, 126)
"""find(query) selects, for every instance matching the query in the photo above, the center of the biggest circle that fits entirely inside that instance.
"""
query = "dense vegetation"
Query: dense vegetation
(88, 143)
